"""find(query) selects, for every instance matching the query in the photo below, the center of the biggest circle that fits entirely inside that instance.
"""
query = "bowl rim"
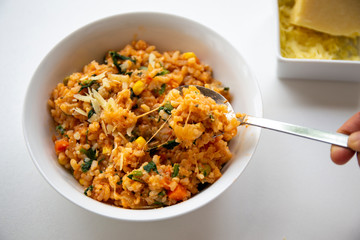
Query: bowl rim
(171, 211)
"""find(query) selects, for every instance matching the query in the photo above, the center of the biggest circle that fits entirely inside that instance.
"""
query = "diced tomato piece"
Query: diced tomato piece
(61, 145)
(178, 194)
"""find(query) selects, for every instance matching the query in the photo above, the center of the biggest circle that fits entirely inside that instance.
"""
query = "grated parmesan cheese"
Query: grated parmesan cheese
(121, 161)
(152, 59)
(80, 111)
(129, 130)
(83, 98)
(119, 77)
(299, 42)
(100, 100)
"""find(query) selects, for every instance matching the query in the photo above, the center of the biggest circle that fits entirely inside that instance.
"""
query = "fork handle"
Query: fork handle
(332, 138)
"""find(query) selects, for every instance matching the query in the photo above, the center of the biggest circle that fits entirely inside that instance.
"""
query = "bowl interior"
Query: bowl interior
(166, 32)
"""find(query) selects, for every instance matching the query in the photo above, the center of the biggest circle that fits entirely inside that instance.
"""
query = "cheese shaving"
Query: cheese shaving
(121, 161)
(152, 58)
(104, 127)
(83, 98)
(129, 130)
(298, 42)
(99, 98)
(106, 83)
(112, 152)
(80, 111)
(94, 118)
(98, 77)
(119, 78)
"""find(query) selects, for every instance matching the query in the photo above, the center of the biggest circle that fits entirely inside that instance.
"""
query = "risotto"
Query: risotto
(130, 138)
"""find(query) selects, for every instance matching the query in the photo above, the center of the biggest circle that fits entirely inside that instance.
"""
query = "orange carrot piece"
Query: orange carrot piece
(165, 182)
(178, 194)
(61, 145)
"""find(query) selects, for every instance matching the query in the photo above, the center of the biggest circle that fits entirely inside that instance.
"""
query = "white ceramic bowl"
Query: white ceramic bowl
(167, 32)
(314, 69)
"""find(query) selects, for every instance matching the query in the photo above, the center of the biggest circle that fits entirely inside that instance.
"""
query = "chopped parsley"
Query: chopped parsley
(167, 108)
(90, 113)
(162, 193)
(205, 169)
(60, 129)
(226, 88)
(212, 118)
(86, 136)
(152, 150)
(132, 94)
(86, 165)
(158, 203)
(163, 72)
(170, 144)
(162, 89)
(134, 175)
(91, 156)
(89, 188)
(176, 170)
(116, 57)
(87, 84)
(151, 166)
(90, 153)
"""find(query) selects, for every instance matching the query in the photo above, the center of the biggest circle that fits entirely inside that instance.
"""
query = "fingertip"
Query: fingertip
(340, 155)
(354, 141)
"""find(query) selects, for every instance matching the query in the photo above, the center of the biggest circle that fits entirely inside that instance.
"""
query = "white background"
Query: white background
(290, 189)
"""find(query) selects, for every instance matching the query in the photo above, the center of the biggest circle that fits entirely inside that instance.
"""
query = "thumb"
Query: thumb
(354, 141)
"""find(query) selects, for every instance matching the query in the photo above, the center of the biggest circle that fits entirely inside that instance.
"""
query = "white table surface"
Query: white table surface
(290, 190)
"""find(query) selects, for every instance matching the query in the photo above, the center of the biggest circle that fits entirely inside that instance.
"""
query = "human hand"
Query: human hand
(351, 127)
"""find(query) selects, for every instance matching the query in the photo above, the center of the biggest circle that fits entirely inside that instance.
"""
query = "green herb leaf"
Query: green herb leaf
(132, 94)
(170, 144)
(163, 72)
(151, 166)
(212, 118)
(90, 153)
(86, 165)
(176, 170)
(134, 175)
(86, 136)
(89, 188)
(205, 169)
(226, 88)
(158, 203)
(91, 156)
(87, 84)
(90, 113)
(162, 89)
(167, 108)
(117, 58)
(60, 129)
(152, 150)
(162, 193)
